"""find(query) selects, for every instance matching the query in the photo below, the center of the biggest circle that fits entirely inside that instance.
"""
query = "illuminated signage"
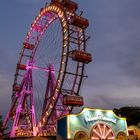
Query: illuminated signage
(99, 118)
(92, 123)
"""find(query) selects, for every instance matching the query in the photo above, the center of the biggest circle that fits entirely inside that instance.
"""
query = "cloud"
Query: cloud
(109, 97)
(115, 44)
(5, 93)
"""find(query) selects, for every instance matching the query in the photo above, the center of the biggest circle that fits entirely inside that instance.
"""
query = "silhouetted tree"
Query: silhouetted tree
(1, 126)
(132, 114)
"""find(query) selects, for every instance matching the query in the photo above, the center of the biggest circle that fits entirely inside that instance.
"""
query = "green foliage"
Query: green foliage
(132, 114)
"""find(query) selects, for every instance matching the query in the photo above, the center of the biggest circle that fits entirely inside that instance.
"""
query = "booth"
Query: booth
(92, 124)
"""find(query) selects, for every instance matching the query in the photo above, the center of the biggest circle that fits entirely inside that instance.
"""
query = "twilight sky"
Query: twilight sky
(114, 75)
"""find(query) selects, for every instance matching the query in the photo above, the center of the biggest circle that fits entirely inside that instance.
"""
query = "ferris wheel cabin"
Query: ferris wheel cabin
(16, 88)
(79, 21)
(21, 66)
(73, 100)
(68, 4)
(81, 56)
(28, 46)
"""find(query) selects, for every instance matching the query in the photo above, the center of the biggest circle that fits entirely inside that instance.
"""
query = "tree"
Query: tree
(132, 114)
(1, 126)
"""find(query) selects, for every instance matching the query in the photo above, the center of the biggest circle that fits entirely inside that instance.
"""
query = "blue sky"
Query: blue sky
(114, 74)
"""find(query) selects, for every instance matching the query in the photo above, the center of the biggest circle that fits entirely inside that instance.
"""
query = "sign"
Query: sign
(89, 119)
(90, 123)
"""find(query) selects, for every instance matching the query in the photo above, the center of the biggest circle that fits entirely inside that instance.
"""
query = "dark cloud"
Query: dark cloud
(115, 44)
(115, 48)
(111, 96)
(5, 93)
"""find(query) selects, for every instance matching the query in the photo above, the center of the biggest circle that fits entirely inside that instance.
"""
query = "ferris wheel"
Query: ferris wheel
(50, 70)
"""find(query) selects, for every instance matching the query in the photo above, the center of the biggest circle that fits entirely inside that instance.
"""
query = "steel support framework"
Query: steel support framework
(24, 120)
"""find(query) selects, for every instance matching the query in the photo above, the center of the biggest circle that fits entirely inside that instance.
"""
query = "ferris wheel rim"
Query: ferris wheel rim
(57, 9)
(51, 8)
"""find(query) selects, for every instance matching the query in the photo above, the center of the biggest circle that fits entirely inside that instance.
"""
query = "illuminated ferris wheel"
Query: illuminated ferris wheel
(50, 70)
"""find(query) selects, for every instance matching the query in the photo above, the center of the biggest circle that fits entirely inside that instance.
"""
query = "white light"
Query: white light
(73, 119)
(63, 19)
(65, 30)
(50, 106)
(98, 112)
(65, 45)
(109, 114)
(44, 119)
